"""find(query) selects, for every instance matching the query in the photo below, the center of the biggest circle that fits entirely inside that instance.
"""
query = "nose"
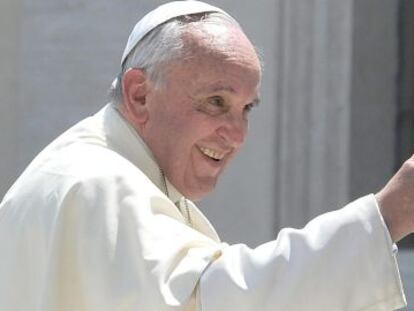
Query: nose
(233, 130)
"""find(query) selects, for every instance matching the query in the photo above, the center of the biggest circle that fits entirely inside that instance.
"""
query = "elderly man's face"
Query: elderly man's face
(197, 120)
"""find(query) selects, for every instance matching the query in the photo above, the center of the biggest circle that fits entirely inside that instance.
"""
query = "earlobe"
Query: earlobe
(134, 91)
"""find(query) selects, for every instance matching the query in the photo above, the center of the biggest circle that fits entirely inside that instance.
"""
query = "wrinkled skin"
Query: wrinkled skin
(197, 120)
(396, 201)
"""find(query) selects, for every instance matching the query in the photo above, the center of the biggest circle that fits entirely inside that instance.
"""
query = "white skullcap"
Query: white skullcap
(163, 14)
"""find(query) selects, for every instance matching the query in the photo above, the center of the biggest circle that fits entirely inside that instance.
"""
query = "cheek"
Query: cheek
(186, 139)
(181, 129)
(192, 125)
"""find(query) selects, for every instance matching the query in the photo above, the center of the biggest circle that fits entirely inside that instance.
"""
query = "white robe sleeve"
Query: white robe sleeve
(116, 243)
(342, 260)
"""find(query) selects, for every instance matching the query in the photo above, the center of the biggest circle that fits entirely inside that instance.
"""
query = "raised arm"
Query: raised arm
(396, 201)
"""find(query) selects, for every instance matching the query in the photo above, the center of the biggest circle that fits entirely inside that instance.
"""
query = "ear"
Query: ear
(134, 92)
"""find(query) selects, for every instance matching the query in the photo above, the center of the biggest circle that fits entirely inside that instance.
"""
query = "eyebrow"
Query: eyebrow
(216, 88)
(220, 88)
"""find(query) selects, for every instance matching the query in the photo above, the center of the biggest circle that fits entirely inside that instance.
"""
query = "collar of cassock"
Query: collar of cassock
(121, 135)
(117, 134)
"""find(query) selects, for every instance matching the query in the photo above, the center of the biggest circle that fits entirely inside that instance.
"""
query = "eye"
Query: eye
(216, 101)
(249, 107)
(214, 105)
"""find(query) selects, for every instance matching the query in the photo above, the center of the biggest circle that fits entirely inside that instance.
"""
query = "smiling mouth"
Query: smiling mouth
(212, 154)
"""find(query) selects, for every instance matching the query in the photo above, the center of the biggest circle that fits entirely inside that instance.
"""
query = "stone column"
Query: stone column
(10, 21)
(314, 59)
(374, 95)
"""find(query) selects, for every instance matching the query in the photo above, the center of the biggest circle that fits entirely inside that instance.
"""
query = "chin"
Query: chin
(200, 192)
(197, 196)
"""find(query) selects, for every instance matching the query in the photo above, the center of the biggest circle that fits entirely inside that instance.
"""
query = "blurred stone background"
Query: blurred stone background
(335, 122)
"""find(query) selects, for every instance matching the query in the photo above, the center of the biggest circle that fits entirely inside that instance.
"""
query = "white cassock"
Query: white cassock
(88, 226)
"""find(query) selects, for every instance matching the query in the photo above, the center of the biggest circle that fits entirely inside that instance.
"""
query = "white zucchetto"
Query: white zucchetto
(163, 14)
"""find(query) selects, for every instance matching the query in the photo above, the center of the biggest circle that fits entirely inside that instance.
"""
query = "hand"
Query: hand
(396, 201)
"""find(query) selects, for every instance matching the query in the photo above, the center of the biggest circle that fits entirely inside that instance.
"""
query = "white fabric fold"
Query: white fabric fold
(342, 260)
(87, 227)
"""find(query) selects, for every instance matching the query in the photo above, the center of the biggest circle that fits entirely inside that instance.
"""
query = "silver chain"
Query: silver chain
(164, 183)
(187, 217)
(187, 210)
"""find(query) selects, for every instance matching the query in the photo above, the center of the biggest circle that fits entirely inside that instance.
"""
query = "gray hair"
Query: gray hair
(162, 45)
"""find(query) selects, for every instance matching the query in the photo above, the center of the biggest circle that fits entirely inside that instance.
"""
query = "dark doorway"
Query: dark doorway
(405, 112)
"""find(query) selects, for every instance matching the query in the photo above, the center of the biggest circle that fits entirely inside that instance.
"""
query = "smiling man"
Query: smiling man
(197, 120)
(103, 218)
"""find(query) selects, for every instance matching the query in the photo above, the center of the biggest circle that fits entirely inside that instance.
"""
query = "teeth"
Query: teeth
(211, 153)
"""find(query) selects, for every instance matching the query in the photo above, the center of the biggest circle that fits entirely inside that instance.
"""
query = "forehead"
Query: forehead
(206, 74)
(221, 40)
(221, 63)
